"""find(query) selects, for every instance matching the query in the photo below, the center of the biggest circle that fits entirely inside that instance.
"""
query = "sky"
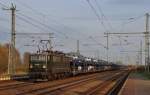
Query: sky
(72, 20)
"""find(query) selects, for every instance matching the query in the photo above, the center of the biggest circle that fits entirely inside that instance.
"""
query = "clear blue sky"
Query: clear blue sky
(76, 20)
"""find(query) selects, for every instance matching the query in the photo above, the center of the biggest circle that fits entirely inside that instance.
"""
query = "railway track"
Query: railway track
(67, 86)
(89, 87)
(25, 87)
(101, 86)
(14, 85)
(62, 87)
(47, 88)
(109, 86)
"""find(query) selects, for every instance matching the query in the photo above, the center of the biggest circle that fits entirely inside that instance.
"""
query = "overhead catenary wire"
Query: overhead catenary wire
(3, 5)
(102, 23)
(30, 21)
(46, 26)
(97, 42)
(35, 11)
(103, 15)
(27, 21)
(97, 15)
(44, 15)
(99, 19)
(129, 21)
(29, 7)
(33, 24)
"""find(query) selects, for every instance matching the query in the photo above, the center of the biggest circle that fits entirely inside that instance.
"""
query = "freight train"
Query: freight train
(50, 65)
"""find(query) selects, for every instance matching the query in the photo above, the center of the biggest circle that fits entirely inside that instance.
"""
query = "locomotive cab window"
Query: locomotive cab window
(38, 58)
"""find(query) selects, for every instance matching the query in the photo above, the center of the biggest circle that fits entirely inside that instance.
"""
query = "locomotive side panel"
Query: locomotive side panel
(59, 66)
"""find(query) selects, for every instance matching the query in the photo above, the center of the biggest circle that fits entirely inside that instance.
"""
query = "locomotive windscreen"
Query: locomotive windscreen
(37, 61)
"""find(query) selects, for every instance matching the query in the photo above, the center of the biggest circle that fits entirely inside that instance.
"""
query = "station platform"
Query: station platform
(136, 84)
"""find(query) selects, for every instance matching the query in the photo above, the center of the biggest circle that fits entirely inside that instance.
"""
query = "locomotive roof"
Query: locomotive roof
(48, 52)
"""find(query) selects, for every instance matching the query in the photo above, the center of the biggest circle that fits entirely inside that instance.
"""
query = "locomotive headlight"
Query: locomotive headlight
(31, 66)
(44, 66)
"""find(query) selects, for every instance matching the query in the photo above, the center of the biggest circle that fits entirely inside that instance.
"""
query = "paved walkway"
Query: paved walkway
(136, 84)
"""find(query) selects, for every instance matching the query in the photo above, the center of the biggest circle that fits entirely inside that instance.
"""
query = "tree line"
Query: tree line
(20, 65)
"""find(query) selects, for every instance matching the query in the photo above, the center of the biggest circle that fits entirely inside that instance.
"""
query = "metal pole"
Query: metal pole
(78, 51)
(50, 42)
(12, 56)
(47, 63)
(107, 48)
(141, 53)
(9, 58)
(147, 43)
(13, 10)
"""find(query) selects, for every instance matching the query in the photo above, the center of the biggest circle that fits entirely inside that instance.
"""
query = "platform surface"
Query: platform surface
(136, 84)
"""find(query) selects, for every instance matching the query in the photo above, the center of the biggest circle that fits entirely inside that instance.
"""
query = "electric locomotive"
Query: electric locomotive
(49, 65)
